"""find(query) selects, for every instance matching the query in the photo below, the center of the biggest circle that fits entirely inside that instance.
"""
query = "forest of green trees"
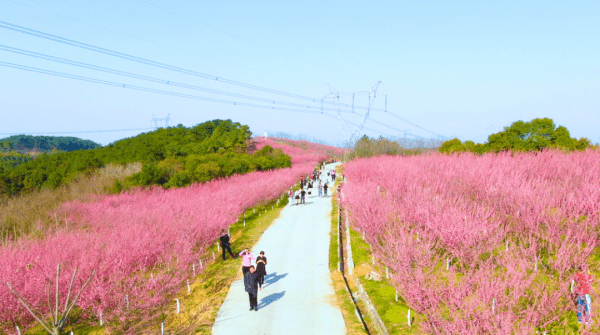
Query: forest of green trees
(171, 157)
(28, 143)
(535, 135)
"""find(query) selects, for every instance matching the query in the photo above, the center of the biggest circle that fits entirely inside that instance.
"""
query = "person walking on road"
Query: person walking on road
(251, 286)
(302, 196)
(320, 189)
(225, 245)
(325, 188)
(297, 197)
(582, 297)
(247, 258)
(261, 269)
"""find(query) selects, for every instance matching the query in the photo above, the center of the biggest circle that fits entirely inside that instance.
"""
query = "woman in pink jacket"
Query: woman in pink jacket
(247, 258)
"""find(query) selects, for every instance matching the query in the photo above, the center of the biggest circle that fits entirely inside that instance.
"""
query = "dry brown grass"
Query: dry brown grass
(28, 214)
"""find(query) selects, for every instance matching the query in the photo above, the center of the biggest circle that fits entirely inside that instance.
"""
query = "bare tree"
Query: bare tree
(59, 318)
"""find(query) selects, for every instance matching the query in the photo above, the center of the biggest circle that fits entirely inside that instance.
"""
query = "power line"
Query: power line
(145, 89)
(151, 42)
(90, 47)
(76, 132)
(167, 82)
(153, 79)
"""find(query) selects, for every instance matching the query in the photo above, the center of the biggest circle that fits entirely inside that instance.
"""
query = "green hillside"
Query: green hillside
(171, 157)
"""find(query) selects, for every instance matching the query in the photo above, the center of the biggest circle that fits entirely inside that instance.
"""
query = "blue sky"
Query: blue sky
(458, 68)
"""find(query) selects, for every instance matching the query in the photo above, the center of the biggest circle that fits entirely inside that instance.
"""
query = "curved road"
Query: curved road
(298, 297)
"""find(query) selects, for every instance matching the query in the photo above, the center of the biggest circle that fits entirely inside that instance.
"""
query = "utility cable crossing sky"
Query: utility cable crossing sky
(300, 107)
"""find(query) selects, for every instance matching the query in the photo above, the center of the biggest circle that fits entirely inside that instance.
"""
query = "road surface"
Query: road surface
(298, 297)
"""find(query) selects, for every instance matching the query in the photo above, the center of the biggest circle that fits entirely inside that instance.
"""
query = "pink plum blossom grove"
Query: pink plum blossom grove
(481, 244)
(143, 244)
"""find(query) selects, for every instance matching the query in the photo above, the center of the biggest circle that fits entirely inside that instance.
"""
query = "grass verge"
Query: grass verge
(353, 324)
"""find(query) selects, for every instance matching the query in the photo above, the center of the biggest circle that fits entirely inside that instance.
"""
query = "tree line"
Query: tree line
(535, 135)
(28, 143)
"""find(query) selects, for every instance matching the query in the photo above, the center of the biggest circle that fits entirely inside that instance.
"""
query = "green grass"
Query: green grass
(333, 241)
(353, 325)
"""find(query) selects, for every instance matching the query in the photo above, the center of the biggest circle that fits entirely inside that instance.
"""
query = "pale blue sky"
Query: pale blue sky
(457, 68)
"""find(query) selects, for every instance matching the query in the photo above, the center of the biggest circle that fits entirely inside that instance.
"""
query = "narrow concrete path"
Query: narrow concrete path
(298, 297)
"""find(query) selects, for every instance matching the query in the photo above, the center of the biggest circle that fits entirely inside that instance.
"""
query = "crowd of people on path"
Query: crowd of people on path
(309, 182)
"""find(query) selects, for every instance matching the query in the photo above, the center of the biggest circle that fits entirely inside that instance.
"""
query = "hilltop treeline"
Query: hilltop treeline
(368, 147)
(535, 135)
(171, 157)
(28, 143)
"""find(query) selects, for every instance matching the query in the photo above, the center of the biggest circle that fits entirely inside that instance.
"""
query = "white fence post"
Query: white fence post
(177, 301)
(188, 285)
(408, 317)
(162, 328)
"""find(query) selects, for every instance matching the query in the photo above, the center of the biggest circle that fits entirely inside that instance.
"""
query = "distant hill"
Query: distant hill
(28, 143)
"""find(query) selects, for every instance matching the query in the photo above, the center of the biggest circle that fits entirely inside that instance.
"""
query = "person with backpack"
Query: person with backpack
(251, 286)
(261, 269)
(225, 244)
(303, 196)
(582, 290)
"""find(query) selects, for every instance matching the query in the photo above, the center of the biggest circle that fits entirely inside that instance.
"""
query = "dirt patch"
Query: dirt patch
(362, 270)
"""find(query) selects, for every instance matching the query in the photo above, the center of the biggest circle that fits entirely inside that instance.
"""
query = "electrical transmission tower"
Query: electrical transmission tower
(341, 98)
(158, 122)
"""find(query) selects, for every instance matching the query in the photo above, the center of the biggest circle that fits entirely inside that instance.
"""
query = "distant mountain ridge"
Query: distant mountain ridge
(26, 143)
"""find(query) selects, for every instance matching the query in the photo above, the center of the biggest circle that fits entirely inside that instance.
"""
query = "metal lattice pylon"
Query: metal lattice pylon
(157, 122)
(337, 96)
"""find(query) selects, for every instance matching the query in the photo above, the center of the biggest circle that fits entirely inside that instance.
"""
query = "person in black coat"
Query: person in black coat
(261, 269)
(251, 286)
(225, 245)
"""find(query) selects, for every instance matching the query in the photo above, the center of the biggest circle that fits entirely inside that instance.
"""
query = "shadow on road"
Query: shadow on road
(273, 278)
(271, 298)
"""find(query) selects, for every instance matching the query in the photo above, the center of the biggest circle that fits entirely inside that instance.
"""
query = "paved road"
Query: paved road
(298, 297)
